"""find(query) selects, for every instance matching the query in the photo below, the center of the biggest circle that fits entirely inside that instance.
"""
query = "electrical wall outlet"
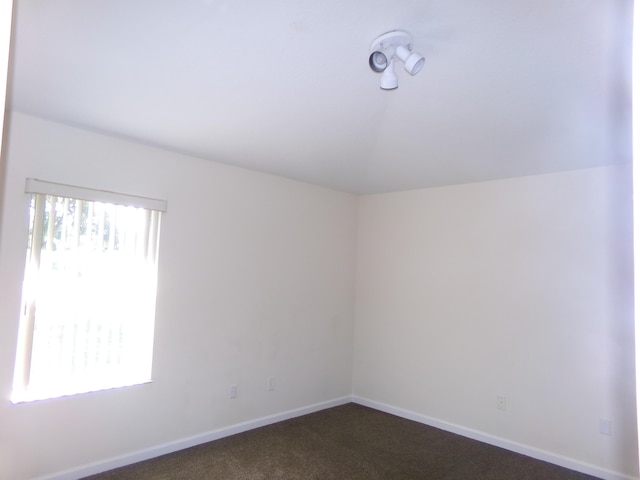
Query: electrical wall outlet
(605, 427)
(271, 384)
(502, 403)
(233, 392)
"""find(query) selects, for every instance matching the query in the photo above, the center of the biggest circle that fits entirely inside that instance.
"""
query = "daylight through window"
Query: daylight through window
(89, 292)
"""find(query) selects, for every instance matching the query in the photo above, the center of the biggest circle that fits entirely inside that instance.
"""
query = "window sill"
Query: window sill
(28, 395)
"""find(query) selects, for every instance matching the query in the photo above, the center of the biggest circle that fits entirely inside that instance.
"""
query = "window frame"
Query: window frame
(24, 354)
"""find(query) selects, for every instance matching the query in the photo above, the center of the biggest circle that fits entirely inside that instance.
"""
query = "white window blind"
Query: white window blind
(89, 291)
(33, 185)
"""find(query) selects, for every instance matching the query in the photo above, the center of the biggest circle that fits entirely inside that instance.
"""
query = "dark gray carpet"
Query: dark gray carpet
(349, 442)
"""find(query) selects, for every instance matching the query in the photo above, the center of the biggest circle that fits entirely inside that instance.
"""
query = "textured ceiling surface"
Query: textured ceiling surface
(509, 88)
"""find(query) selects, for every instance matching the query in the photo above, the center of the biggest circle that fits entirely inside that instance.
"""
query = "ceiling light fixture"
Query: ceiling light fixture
(388, 47)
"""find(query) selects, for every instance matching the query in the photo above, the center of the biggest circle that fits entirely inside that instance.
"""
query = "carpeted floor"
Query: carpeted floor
(349, 442)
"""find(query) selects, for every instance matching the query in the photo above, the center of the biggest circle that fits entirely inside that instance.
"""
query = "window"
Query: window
(89, 291)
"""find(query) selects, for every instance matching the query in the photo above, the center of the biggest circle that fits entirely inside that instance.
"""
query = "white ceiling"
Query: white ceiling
(509, 88)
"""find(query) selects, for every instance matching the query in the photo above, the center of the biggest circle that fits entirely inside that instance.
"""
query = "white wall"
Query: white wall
(520, 288)
(256, 279)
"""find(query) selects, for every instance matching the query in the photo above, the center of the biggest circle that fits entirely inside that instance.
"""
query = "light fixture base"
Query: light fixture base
(390, 41)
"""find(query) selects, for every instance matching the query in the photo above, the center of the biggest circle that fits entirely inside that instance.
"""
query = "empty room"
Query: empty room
(218, 217)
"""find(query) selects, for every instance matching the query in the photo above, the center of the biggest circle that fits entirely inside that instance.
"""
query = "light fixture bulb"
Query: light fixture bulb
(389, 80)
(378, 61)
(413, 62)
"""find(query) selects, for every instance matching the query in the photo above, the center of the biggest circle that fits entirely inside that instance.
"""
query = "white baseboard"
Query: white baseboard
(183, 443)
(496, 441)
